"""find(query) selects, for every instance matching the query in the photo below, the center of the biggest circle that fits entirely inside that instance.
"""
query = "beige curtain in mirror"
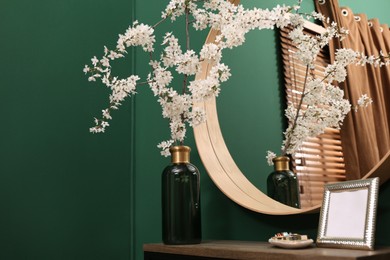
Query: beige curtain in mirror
(365, 134)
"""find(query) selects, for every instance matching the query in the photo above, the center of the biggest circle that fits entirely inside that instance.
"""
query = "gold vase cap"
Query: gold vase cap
(281, 163)
(180, 154)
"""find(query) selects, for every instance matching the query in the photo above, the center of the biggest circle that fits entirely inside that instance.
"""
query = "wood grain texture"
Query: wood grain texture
(250, 250)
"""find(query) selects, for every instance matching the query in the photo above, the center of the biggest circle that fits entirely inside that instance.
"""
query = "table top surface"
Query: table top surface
(263, 250)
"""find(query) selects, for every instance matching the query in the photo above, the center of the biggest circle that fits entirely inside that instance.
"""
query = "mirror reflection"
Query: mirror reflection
(250, 109)
(251, 116)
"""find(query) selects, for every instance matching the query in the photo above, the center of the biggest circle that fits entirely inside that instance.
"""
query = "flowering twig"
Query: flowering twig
(233, 22)
(294, 124)
(325, 103)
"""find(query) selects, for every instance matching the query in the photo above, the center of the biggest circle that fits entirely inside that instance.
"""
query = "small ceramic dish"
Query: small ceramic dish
(291, 243)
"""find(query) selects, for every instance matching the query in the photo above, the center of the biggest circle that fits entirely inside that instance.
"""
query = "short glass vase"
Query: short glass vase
(282, 183)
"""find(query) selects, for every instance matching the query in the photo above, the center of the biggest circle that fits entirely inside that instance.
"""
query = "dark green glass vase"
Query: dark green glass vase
(282, 184)
(181, 218)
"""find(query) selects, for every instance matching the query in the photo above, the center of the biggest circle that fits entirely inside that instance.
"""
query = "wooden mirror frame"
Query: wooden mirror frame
(225, 173)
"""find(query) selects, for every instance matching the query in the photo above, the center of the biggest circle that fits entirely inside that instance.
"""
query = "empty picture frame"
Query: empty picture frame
(348, 214)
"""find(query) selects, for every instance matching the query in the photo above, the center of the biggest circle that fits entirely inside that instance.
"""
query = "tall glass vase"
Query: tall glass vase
(282, 183)
(181, 218)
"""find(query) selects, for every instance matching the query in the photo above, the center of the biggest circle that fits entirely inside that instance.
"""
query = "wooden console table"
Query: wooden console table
(245, 250)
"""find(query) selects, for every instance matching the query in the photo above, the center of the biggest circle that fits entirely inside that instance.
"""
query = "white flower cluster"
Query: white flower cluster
(376, 61)
(136, 35)
(309, 46)
(324, 103)
(363, 101)
(270, 156)
(177, 106)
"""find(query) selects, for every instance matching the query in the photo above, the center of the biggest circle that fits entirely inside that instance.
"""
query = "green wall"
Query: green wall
(68, 194)
(64, 193)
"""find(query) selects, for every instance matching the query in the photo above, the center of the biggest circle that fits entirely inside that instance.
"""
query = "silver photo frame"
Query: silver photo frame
(348, 214)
